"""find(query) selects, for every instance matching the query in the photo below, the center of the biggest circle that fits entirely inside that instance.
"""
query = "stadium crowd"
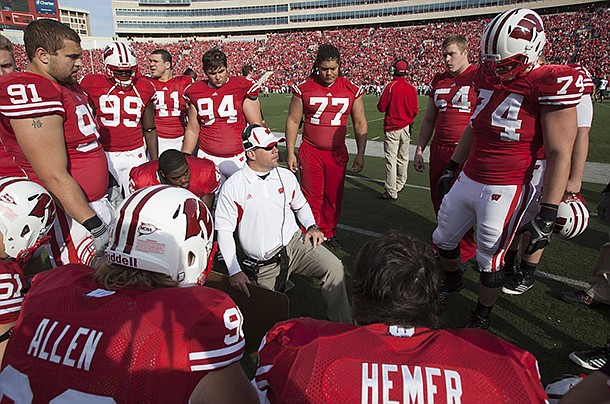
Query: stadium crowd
(578, 36)
(134, 230)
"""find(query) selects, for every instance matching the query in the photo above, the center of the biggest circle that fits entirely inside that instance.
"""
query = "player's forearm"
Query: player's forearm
(226, 243)
(579, 154)
(152, 143)
(360, 136)
(69, 195)
(291, 133)
(556, 177)
(425, 134)
(559, 135)
(190, 141)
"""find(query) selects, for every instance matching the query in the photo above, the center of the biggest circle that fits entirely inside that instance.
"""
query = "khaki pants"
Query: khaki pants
(396, 150)
(318, 263)
(600, 280)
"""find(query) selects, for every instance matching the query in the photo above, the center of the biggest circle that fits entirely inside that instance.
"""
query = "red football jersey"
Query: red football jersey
(75, 340)
(170, 106)
(506, 122)
(326, 109)
(29, 95)
(455, 100)
(205, 177)
(8, 164)
(220, 113)
(587, 80)
(119, 110)
(12, 282)
(307, 360)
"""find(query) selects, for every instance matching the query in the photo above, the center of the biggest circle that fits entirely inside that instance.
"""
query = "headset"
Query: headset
(245, 135)
(392, 68)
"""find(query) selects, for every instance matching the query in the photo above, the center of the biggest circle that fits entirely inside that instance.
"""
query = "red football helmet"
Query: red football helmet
(27, 213)
(510, 44)
(163, 229)
(120, 64)
(572, 216)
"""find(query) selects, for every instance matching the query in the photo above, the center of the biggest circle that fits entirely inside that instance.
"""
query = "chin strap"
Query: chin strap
(6, 335)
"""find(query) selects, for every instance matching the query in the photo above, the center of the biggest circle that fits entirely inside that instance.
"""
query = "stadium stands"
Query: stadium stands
(574, 36)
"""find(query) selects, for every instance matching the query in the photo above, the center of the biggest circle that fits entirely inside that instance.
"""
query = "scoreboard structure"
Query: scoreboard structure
(16, 14)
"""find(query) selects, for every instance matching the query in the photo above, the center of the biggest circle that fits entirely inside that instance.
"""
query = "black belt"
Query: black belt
(252, 267)
(273, 260)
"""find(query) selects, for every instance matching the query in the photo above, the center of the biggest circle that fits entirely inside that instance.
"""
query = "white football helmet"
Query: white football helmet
(560, 386)
(27, 213)
(163, 229)
(572, 216)
(120, 64)
(510, 44)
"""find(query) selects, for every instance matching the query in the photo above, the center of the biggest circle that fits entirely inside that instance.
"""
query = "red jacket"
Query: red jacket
(399, 102)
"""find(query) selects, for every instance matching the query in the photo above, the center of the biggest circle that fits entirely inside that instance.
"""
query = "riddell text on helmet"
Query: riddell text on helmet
(116, 258)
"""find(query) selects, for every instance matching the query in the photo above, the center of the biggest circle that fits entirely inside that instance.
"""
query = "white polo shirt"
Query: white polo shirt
(259, 209)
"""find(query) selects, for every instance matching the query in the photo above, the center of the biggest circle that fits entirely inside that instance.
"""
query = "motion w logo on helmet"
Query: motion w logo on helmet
(527, 28)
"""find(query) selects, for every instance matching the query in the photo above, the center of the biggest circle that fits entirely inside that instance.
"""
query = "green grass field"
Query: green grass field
(538, 320)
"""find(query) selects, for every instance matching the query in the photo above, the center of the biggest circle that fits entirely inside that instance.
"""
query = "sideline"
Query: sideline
(538, 273)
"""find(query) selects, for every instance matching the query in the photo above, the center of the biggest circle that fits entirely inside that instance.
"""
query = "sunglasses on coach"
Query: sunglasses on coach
(268, 148)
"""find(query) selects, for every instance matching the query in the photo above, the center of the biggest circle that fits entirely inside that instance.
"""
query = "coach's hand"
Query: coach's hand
(240, 282)
(446, 180)
(540, 228)
(315, 235)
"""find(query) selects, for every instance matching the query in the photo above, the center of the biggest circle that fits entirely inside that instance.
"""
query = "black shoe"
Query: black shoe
(581, 297)
(449, 289)
(477, 321)
(333, 243)
(593, 359)
(520, 284)
(386, 195)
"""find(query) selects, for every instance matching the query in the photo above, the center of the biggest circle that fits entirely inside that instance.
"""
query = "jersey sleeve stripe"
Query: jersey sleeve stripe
(11, 310)
(263, 369)
(217, 352)
(215, 365)
(33, 112)
(32, 105)
(11, 301)
(565, 102)
(254, 87)
(558, 97)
